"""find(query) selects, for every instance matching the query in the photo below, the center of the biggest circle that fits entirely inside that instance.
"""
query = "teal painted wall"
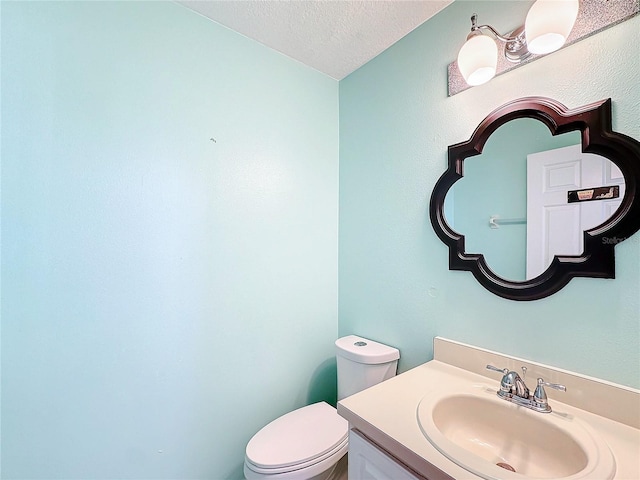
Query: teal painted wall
(163, 296)
(396, 122)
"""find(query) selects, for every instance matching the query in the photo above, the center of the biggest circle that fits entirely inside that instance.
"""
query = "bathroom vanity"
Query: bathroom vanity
(443, 420)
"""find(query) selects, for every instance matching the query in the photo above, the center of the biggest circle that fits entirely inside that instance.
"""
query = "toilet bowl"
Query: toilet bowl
(311, 442)
(307, 443)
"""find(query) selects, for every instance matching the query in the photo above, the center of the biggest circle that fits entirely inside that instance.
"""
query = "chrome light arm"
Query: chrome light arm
(515, 49)
(475, 27)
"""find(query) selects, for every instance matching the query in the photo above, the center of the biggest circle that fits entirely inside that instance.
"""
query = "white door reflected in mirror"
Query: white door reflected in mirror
(555, 226)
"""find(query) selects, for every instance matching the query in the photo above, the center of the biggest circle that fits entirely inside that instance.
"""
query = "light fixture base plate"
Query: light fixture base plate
(516, 50)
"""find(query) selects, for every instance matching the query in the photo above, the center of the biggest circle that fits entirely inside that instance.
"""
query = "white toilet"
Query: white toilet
(308, 443)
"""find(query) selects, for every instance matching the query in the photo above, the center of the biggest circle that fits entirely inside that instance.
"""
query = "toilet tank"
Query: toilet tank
(362, 363)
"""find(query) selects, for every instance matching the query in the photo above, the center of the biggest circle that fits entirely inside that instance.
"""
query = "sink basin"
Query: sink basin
(495, 439)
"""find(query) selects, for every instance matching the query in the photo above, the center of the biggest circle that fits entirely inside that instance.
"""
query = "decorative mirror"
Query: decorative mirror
(549, 195)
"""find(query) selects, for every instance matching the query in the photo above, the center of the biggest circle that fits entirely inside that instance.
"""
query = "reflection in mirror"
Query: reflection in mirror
(512, 202)
(597, 257)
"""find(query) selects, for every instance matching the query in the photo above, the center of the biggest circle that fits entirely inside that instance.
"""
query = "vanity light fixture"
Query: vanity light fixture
(545, 30)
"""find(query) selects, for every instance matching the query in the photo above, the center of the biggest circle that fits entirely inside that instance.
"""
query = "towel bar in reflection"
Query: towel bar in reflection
(495, 221)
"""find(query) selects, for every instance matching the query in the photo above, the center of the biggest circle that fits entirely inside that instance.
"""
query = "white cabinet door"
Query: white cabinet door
(368, 462)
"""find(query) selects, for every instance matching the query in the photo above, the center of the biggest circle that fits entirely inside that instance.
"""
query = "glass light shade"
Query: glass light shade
(477, 59)
(549, 23)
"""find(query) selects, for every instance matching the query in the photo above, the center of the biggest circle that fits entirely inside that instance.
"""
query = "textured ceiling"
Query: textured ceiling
(335, 37)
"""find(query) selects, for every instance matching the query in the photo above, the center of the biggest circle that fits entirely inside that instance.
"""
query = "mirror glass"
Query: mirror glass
(529, 196)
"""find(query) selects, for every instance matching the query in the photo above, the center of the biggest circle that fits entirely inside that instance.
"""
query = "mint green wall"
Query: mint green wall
(396, 122)
(163, 296)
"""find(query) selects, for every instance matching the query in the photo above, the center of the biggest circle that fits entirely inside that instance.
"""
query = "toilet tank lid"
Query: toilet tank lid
(366, 351)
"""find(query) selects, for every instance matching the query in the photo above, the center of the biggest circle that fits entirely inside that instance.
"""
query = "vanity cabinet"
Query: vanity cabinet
(369, 462)
(393, 435)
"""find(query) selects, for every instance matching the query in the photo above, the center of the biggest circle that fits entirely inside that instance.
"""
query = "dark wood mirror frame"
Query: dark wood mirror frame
(597, 259)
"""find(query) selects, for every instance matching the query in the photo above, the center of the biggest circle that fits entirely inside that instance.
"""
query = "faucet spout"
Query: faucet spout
(521, 388)
(511, 385)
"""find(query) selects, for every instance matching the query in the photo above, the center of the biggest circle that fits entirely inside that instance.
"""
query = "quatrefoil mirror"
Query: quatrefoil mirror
(538, 195)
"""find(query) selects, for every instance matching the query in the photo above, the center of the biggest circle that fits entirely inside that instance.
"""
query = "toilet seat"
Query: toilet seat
(299, 439)
(293, 472)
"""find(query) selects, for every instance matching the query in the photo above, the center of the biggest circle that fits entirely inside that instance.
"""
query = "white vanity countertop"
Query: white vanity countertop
(387, 412)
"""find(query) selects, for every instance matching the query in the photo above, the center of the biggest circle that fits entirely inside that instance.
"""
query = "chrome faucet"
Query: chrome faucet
(513, 389)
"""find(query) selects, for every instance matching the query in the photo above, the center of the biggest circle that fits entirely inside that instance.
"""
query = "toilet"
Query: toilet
(311, 442)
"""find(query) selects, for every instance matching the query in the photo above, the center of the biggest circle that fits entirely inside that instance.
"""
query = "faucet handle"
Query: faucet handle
(555, 386)
(504, 371)
(507, 383)
(540, 395)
